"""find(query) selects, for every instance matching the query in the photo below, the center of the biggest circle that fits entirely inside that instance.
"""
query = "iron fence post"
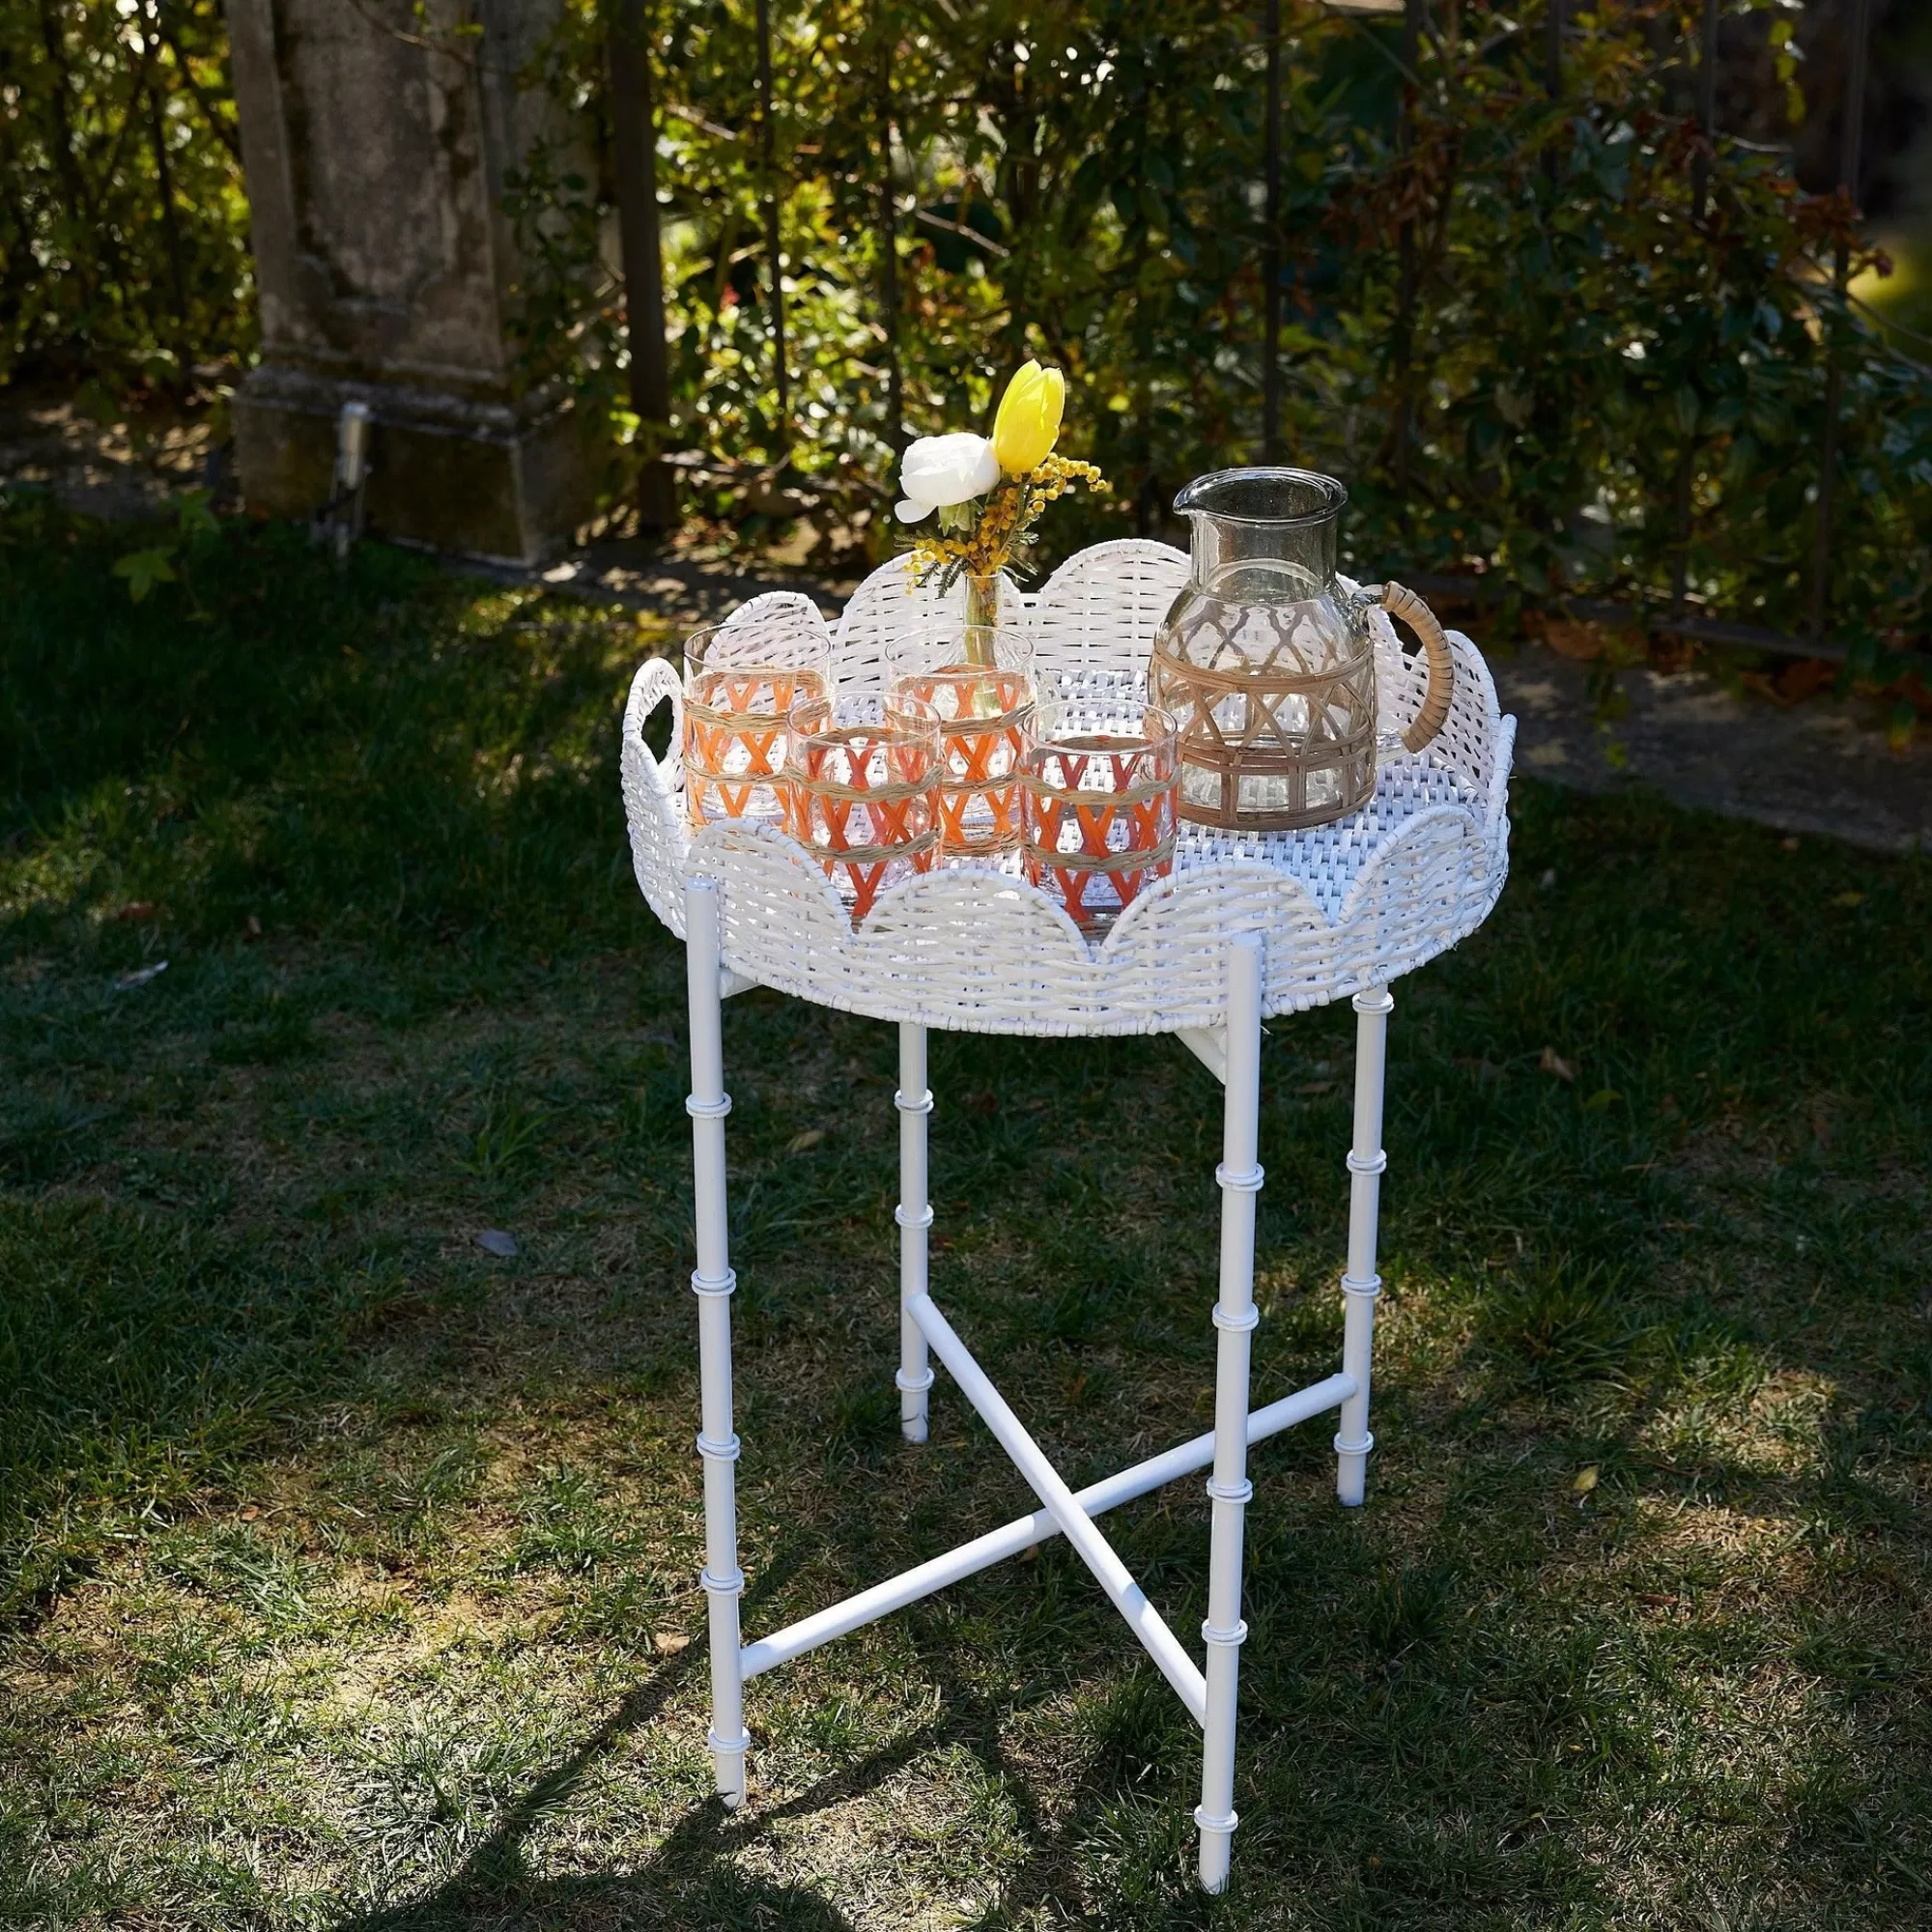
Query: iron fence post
(768, 162)
(1684, 493)
(1405, 310)
(1707, 112)
(1552, 73)
(634, 138)
(1851, 141)
(889, 243)
(1271, 247)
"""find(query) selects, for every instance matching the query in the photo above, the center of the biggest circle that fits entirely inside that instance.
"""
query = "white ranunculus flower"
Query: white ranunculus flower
(938, 472)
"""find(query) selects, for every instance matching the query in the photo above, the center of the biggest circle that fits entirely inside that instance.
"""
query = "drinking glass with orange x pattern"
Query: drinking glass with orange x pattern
(741, 679)
(982, 711)
(862, 791)
(1100, 803)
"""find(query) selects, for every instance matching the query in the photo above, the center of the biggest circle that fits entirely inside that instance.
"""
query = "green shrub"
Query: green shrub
(1587, 379)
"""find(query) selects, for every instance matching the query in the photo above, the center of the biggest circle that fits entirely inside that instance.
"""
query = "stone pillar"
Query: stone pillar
(376, 144)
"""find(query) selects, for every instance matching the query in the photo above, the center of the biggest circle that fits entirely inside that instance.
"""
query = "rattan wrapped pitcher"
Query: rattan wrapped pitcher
(1267, 662)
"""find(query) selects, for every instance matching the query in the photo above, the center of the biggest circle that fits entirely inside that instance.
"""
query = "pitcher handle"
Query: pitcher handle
(1401, 602)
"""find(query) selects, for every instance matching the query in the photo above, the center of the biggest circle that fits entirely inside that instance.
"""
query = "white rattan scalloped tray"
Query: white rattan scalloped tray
(1343, 907)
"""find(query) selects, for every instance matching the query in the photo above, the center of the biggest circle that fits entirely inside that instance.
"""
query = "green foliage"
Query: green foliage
(1585, 382)
(1594, 388)
(124, 225)
(141, 570)
(1609, 388)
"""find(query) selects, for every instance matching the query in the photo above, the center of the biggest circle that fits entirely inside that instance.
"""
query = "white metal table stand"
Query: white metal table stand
(1244, 928)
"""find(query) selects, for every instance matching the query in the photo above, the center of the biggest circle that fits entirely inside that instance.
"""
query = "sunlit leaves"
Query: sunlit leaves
(123, 230)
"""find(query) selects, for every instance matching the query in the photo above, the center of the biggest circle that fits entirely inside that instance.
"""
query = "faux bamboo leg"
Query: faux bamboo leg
(914, 1215)
(1241, 1177)
(1361, 1283)
(714, 1281)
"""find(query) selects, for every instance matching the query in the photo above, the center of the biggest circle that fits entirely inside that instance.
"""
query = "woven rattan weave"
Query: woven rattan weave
(1278, 707)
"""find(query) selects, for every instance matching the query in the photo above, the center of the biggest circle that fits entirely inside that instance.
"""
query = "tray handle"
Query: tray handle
(658, 680)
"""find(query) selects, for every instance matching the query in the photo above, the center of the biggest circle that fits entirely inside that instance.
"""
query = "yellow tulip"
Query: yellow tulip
(1027, 425)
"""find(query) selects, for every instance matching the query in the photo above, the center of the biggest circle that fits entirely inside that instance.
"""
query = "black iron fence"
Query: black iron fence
(1570, 337)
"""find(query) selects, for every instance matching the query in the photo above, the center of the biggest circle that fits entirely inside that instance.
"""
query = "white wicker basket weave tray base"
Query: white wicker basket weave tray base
(1344, 906)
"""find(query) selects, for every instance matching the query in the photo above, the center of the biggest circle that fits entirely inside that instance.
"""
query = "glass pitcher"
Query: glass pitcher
(1269, 665)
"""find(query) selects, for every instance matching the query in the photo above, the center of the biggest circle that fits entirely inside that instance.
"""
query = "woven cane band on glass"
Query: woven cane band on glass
(1277, 714)
(1099, 808)
(741, 679)
(862, 792)
(983, 712)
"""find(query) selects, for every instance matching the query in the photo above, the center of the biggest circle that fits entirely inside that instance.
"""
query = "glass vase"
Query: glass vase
(982, 619)
(984, 705)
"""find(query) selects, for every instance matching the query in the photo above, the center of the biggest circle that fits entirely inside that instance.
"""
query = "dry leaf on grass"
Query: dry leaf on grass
(1553, 1061)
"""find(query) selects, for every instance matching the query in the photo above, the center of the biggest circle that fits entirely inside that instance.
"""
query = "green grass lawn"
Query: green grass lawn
(348, 1574)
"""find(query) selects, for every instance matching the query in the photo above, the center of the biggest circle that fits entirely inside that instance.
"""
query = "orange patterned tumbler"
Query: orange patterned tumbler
(741, 680)
(982, 712)
(862, 791)
(1100, 806)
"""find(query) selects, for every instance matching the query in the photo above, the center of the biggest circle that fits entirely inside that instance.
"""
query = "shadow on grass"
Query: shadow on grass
(390, 753)
(698, 1877)
(691, 1881)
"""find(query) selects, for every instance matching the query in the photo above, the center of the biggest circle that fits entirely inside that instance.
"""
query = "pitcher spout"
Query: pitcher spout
(1264, 534)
